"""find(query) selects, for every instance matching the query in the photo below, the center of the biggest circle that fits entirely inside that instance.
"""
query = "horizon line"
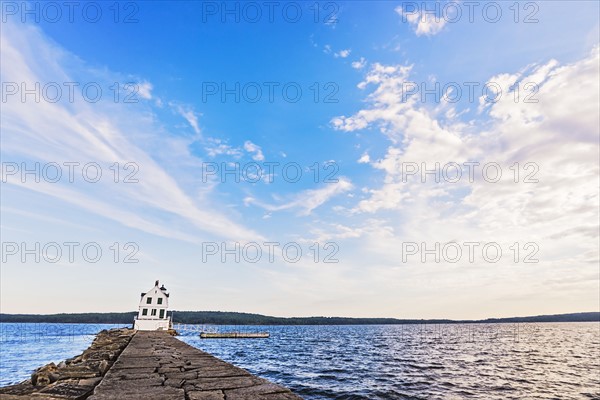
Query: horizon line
(314, 316)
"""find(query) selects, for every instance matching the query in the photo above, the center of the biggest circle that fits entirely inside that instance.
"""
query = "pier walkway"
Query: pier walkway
(155, 365)
(122, 364)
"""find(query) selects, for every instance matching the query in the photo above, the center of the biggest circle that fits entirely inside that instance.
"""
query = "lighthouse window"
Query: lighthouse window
(149, 300)
(145, 311)
(159, 300)
(154, 312)
(162, 314)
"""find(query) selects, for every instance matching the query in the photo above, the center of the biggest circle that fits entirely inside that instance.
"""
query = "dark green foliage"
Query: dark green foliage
(84, 318)
(234, 318)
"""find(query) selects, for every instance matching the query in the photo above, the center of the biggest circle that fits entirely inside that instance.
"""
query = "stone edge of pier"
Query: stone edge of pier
(76, 377)
(128, 365)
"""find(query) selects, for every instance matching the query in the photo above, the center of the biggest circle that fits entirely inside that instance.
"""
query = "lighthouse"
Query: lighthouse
(152, 313)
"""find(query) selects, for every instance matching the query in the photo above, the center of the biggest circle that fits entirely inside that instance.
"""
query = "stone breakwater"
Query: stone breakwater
(144, 365)
(76, 377)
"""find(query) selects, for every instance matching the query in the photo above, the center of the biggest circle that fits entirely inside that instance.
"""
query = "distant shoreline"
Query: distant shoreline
(233, 318)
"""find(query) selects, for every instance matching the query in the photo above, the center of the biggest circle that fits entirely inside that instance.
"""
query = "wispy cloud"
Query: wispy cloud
(57, 132)
(364, 159)
(189, 114)
(307, 200)
(215, 147)
(255, 150)
(423, 22)
(359, 64)
(342, 53)
(145, 90)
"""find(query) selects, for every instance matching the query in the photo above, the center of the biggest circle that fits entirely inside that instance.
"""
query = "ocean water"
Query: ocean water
(474, 361)
(448, 361)
(25, 347)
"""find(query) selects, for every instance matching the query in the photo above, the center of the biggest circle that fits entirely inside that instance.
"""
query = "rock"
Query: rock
(45, 375)
(103, 367)
(208, 395)
(76, 377)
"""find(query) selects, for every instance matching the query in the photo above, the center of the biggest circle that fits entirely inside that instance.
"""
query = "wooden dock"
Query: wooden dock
(155, 365)
(234, 335)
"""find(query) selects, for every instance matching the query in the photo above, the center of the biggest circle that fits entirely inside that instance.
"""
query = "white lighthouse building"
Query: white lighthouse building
(152, 314)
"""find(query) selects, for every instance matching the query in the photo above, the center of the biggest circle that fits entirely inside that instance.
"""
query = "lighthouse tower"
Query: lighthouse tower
(152, 314)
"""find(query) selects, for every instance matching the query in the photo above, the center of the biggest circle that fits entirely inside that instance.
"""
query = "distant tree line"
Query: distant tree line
(83, 318)
(235, 318)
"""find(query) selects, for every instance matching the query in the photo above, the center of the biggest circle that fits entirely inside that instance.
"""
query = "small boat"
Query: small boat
(234, 335)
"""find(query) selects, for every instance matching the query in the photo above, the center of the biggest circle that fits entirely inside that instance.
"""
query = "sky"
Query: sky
(362, 159)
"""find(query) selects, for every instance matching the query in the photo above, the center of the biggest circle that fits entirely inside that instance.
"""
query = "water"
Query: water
(491, 361)
(474, 361)
(25, 347)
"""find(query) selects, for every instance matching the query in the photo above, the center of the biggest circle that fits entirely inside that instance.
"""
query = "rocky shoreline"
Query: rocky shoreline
(75, 378)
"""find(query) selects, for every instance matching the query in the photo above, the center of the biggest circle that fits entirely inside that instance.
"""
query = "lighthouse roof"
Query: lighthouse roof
(163, 290)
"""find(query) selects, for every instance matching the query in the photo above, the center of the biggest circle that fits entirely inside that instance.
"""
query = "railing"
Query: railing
(194, 328)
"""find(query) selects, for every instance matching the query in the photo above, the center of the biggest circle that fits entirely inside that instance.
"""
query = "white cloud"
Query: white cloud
(342, 53)
(388, 105)
(558, 133)
(255, 150)
(418, 134)
(105, 133)
(216, 147)
(307, 200)
(145, 90)
(359, 64)
(423, 22)
(188, 113)
(364, 159)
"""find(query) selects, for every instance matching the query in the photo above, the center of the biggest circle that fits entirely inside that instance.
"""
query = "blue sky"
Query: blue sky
(174, 51)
